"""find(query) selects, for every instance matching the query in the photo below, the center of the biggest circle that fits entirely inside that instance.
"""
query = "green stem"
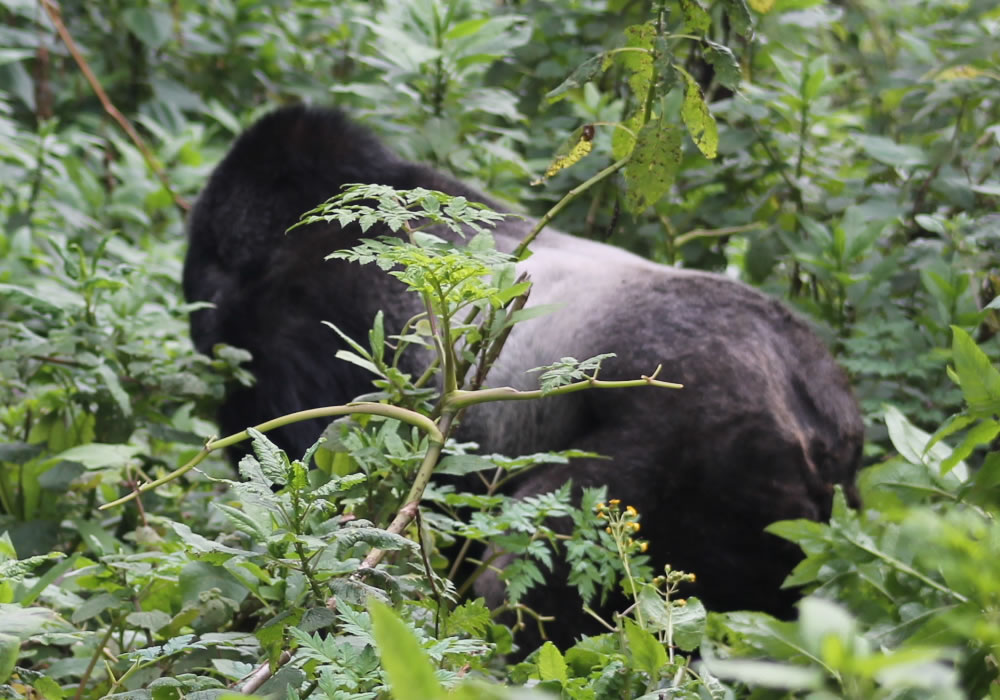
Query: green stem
(908, 570)
(93, 660)
(408, 512)
(462, 399)
(403, 415)
(562, 203)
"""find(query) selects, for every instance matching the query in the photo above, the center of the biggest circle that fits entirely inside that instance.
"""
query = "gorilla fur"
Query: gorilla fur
(764, 428)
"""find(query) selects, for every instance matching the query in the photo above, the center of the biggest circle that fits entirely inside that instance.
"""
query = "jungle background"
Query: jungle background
(855, 176)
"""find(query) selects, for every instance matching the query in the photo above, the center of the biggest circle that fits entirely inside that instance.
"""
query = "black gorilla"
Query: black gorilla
(764, 429)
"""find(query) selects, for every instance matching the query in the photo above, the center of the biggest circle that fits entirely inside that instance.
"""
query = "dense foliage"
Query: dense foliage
(842, 156)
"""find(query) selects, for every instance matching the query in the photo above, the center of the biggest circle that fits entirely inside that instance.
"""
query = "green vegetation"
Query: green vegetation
(842, 156)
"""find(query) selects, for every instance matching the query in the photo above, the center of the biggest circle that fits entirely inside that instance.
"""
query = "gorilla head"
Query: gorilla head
(764, 429)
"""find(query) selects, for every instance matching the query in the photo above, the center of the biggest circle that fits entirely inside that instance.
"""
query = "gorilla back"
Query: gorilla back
(764, 429)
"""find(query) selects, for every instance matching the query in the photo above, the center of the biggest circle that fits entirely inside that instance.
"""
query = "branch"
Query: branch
(561, 204)
(262, 673)
(463, 399)
(403, 415)
(126, 125)
(408, 512)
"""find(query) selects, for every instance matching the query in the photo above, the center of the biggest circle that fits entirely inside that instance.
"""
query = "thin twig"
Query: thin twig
(125, 124)
(263, 673)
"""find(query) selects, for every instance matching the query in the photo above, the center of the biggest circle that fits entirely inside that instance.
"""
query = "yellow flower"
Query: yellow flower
(615, 502)
(629, 510)
(607, 530)
(634, 526)
(643, 546)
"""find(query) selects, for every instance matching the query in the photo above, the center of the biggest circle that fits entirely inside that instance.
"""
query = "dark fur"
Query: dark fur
(764, 429)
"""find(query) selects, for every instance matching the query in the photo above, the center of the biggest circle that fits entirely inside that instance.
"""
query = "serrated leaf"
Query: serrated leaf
(978, 378)
(244, 521)
(551, 664)
(698, 119)
(272, 459)
(203, 544)
(411, 675)
(381, 539)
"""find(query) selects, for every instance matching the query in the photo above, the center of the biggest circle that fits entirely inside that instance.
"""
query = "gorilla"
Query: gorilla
(764, 429)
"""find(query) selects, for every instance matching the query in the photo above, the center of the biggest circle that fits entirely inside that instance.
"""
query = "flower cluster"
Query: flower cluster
(622, 525)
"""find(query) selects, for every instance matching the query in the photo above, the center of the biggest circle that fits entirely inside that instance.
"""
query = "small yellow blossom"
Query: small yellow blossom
(631, 511)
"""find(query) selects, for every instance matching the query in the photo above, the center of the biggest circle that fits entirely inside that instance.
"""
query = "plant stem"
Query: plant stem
(403, 415)
(463, 399)
(561, 204)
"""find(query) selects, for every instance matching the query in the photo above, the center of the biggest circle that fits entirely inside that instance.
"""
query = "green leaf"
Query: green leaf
(648, 653)
(739, 16)
(10, 649)
(913, 444)
(411, 675)
(639, 64)
(698, 119)
(979, 379)
(202, 544)
(689, 624)
(96, 455)
(27, 622)
(696, 19)
(584, 73)
(114, 388)
(727, 68)
(765, 673)
(651, 169)
(531, 312)
(982, 434)
(891, 153)
(152, 27)
(273, 462)
(551, 664)
(244, 521)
